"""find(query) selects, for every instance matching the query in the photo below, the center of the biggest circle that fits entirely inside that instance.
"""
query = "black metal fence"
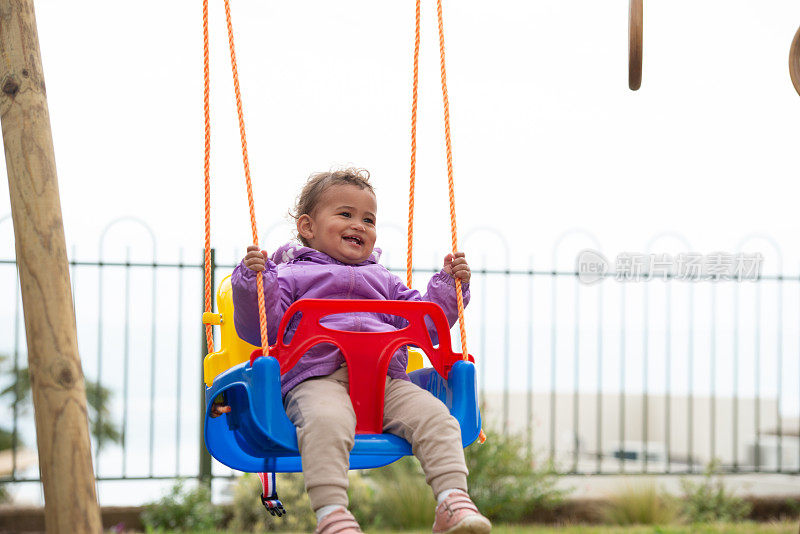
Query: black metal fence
(620, 374)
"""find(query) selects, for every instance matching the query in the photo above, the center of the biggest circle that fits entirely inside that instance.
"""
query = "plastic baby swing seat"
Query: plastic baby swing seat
(257, 436)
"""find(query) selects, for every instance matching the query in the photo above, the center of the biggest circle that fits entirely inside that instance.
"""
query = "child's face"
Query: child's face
(343, 224)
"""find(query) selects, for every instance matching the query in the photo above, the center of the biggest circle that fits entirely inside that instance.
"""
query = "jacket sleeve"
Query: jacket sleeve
(277, 295)
(442, 291)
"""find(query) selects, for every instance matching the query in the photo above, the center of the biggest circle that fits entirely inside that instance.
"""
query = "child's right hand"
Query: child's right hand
(255, 259)
(218, 409)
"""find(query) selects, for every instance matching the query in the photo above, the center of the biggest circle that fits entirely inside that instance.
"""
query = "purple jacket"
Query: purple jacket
(295, 272)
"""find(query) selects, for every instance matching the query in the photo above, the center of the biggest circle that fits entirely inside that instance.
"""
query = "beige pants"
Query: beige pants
(321, 409)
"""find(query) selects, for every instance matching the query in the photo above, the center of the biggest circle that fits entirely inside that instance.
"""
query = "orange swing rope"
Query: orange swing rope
(207, 172)
(412, 177)
(450, 182)
(245, 162)
(262, 310)
(451, 189)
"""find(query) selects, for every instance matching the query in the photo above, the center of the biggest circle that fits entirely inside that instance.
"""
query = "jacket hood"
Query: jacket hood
(294, 251)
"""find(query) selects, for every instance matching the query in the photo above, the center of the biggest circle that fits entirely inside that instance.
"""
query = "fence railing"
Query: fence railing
(658, 376)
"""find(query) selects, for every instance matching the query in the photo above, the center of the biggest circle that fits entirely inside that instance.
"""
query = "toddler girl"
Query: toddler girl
(335, 216)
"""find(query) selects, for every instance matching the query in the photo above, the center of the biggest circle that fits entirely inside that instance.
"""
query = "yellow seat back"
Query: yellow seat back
(414, 360)
(233, 349)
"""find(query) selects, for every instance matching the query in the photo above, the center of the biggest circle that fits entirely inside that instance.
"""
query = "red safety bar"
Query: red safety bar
(367, 353)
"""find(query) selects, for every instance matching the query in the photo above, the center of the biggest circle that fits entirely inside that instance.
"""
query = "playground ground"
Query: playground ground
(720, 528)
(742, 528)
(31, 520)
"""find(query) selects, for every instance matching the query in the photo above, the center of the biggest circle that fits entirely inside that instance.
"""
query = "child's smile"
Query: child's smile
(355, 240)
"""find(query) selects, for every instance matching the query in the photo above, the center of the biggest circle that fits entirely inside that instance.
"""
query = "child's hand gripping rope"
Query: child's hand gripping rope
(255, 261)
(456, 266)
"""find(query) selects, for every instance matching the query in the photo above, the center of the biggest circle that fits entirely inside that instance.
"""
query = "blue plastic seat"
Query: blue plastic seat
(257, 436)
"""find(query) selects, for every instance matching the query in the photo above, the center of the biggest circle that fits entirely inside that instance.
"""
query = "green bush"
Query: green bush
(249, 515)
(182, 509)
(708, 500)
(640, 504)
(504, 482)
(6, 439)
(396, 497)
(793, 505)
(361, 494)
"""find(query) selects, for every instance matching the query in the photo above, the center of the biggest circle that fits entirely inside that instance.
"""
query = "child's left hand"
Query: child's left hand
(456, 266)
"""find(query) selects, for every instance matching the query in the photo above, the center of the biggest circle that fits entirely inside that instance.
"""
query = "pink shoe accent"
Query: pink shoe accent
(457, 514)
(339, 521)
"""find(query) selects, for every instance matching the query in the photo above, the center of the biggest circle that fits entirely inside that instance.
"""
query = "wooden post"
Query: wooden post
(59, 395)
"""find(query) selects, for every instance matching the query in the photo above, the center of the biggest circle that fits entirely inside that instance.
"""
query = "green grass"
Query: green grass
(714, 528)
(739, 528)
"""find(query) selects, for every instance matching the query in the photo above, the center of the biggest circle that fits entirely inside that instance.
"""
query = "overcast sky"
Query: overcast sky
(546, 134)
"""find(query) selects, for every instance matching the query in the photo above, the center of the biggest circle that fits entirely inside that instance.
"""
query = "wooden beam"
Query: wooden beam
(635, 26)
(59, 394)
